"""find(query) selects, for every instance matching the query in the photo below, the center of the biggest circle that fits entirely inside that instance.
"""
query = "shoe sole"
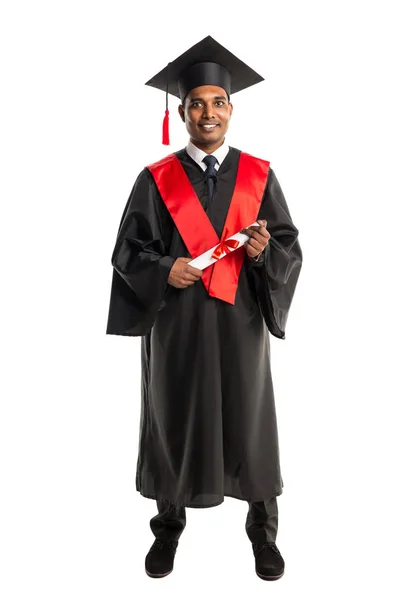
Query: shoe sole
(158, 574)
(270, 577)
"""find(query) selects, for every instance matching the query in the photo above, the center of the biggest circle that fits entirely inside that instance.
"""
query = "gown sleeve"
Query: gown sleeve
(141, 264)
(277, 274)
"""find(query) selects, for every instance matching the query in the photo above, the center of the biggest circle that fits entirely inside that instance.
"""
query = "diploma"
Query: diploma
(220, 250)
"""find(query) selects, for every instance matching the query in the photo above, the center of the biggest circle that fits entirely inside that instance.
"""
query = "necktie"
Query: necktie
(210, 174)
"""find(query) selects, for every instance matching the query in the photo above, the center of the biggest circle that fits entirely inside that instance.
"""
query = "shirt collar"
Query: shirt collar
(197, 155)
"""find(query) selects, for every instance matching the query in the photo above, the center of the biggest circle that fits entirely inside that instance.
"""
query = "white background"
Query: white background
(77, 126)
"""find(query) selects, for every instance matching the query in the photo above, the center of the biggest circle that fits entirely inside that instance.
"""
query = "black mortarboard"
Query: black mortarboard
(205, 63)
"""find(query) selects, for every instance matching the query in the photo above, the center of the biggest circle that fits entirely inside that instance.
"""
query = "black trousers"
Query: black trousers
(261, 521)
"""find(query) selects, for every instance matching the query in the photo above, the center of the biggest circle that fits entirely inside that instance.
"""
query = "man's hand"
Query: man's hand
(259, 238)
(182, 275)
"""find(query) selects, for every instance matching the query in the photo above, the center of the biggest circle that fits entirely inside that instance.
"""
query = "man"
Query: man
(208, 423)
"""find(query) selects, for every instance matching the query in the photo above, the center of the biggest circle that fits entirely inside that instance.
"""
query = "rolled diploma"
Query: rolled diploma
(205, 259)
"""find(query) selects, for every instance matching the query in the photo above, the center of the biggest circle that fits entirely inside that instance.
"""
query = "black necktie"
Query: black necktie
(210, 174)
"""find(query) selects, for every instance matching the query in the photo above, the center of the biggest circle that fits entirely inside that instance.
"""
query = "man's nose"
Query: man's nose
(208, 111)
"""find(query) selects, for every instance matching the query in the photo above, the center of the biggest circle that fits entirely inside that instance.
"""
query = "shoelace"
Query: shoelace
(259, 547)
(159, 543)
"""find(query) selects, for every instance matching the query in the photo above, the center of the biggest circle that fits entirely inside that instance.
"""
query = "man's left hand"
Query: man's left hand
(259, 238)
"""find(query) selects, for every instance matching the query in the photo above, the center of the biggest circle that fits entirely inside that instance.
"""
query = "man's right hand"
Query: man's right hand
(182, 275)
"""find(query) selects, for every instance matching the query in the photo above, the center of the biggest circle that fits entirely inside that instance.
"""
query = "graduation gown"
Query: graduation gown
(208, 423)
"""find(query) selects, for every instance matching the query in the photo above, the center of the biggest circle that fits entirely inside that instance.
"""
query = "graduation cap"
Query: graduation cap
(205, 63)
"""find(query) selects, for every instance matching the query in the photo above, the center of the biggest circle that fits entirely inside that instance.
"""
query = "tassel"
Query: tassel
(165, 132)
(165, 125)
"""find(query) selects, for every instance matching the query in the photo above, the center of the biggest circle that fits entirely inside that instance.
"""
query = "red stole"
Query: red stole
(221, 278)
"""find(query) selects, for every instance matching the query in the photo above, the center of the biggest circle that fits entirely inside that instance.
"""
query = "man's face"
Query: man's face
(206, 113)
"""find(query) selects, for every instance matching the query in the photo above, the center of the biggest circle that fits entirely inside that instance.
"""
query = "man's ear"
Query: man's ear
(230, 109)
(181, 111)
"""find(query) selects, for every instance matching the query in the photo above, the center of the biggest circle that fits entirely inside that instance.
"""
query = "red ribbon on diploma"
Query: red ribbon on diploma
(224, 247)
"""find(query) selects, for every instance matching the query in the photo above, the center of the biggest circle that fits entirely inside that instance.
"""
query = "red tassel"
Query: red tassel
(165, 129)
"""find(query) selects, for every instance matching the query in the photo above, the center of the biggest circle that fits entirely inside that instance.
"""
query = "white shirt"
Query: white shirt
(198, 155)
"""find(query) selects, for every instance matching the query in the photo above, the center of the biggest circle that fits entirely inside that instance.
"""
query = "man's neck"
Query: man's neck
(206, 147)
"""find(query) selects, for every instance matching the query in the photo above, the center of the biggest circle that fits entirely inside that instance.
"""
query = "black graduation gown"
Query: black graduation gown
(208, 424)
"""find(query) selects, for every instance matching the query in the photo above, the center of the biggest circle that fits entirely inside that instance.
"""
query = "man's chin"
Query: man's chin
(210, 139)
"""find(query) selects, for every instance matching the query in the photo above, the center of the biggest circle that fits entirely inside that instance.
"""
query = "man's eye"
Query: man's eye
(196, 104)
(220, 102)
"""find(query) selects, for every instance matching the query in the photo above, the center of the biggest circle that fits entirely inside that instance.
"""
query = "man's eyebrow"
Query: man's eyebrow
(202, 99)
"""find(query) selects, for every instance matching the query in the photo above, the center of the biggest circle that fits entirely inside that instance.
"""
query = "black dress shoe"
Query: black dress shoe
(269, 562)
(160, 558)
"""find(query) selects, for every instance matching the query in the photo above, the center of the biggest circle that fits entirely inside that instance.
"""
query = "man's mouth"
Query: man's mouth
(209, 126)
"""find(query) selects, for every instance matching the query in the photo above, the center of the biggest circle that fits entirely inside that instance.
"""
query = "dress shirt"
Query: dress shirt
(197, 155)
